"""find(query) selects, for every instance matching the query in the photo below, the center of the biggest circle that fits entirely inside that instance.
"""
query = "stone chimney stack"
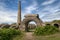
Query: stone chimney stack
(19, 14)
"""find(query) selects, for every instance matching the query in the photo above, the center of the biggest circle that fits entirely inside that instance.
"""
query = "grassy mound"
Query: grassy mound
(46, 30)
(8, 34)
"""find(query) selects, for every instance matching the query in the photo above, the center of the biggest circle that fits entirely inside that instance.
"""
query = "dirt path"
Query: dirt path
(28, 36)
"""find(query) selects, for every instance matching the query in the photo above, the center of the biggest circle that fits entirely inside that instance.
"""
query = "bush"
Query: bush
(38, 31)
(7, 34)
(46, 30)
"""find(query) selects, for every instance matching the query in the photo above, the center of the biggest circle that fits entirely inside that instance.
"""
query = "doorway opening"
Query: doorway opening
(31, 26)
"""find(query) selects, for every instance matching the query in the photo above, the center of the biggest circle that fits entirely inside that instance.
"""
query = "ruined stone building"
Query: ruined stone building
(30, 17)
(23, 25)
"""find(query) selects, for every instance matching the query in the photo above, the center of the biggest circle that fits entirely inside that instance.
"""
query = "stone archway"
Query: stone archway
(31, 17)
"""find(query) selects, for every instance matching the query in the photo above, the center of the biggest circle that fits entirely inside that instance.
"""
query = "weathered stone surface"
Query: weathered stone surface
(29, 18)
(31, 15)
(19, 14)
(4, 26)
(14, 25)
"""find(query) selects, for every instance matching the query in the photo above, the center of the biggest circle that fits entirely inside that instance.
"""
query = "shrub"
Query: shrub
(7, 34)
(50, 29)
(38, 31)
(46, 30)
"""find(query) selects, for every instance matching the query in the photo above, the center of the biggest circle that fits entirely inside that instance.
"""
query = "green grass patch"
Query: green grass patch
(8, 34)
(46, 30)
(48, 37)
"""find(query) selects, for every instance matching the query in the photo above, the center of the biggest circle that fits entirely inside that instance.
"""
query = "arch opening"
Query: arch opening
(56, 25)
(30, 25)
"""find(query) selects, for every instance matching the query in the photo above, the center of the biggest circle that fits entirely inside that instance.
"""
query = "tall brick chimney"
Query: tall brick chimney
(19, 13)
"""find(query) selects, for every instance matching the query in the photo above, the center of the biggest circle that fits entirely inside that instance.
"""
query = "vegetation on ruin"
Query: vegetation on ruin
(46, 30)
(48, 37)
(8, 34)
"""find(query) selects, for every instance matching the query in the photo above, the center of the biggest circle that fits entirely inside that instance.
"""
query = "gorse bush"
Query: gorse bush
(46, 30)
(51, 29)
(7, 34)
(39, 31)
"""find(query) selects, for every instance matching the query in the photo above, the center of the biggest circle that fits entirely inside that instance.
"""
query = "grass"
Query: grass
(55, 36)
(8, 34)
(19, 37)
(49, 37)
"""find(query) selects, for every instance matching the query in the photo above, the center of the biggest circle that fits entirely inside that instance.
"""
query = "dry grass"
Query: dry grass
(29, 36)
(50, 37)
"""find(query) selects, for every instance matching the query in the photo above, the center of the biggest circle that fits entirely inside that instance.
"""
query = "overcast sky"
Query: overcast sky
(48, 10)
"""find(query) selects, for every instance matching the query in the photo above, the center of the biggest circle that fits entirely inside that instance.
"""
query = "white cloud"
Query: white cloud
(7, 16)
(50, 13)
(48, 2)
(31, 7)
(47, 14)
